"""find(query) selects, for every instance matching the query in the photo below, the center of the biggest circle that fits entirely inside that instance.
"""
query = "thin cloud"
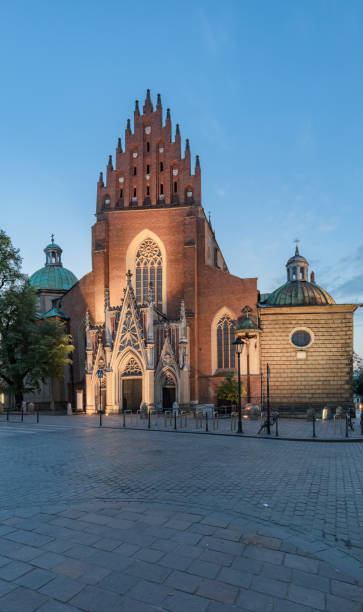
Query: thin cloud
(327, 228)
(209, 37)
(352, 288)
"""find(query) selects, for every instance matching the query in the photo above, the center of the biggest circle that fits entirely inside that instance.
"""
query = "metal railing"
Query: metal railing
(216, 421)
(19, 415)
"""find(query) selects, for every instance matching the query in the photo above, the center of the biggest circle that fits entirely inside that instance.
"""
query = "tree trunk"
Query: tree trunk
(18, 398)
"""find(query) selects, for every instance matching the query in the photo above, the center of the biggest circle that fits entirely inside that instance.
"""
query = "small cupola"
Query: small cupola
(53, 254)
(297, 267)
(247, 326)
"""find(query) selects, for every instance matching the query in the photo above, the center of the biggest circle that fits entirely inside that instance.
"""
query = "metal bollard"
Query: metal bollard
(175, 420)
(7, 413)
(22, 412)
(314, 434)
(149, 419)
(346, 425)
(277, 427)
(123, 419)
(206, 421)
(100, 417)
(37, 415)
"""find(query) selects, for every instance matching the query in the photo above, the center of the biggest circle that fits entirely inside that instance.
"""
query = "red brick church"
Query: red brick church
(157, 311)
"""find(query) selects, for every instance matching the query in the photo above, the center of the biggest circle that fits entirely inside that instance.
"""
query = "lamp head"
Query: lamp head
(238, 344)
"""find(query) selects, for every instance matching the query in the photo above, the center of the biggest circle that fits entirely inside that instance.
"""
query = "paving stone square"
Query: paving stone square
(148, 521)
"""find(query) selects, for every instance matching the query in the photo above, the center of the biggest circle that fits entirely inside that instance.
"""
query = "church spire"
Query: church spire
(107, 298)
(148, 106)
(128, 278)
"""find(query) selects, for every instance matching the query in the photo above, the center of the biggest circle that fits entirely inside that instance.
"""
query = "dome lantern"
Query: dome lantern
(297, 267)
(53, 254)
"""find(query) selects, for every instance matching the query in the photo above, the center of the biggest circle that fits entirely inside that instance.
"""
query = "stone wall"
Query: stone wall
(325, 374)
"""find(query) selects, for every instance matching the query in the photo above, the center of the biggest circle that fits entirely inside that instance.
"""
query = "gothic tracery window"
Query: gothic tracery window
(132, 368)
(225, 337)
(149, 269)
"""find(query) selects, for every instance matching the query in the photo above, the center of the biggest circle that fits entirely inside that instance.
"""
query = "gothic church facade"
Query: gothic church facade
(157, 312)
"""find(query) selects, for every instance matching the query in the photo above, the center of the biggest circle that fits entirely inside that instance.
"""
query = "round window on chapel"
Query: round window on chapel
(301, 338)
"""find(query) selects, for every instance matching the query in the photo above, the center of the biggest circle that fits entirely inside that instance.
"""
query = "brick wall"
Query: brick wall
(326, 373)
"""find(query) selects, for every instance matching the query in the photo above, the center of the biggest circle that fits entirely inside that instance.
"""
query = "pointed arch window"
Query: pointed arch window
(149, 269)
(225, 349)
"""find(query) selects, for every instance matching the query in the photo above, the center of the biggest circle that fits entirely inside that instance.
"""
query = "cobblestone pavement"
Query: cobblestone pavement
(108, 519)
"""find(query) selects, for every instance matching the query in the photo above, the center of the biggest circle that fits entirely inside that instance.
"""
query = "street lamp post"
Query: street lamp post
(268, 399)
(239, 344)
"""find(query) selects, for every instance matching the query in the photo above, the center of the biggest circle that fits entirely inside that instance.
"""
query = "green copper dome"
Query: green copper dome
(299, 293)
(52, 245)
(53, 277)
(245, 323)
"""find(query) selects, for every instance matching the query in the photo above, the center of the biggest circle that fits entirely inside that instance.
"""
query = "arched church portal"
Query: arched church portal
(168, 390)
(131, 385)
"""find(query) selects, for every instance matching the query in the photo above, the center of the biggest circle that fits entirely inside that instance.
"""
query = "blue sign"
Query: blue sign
(100, 373)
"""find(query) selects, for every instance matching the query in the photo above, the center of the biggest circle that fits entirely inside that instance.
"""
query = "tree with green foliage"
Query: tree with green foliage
(31, 349)
(228, 390)
(358, 384)
(10, 262)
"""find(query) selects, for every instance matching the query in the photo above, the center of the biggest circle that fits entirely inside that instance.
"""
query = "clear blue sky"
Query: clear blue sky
(269, 93)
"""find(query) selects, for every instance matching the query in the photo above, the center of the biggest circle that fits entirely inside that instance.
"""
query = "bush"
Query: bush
(228, 390)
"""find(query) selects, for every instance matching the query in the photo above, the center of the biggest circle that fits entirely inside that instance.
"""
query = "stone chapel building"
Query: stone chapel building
(159, 310)
(51, 282)
(307, 340)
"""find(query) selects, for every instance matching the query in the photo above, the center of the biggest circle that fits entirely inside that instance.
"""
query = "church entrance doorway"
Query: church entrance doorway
(168, 397)
(131, 394)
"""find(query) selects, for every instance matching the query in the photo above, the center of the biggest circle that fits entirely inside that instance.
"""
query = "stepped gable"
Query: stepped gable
(151, 171)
